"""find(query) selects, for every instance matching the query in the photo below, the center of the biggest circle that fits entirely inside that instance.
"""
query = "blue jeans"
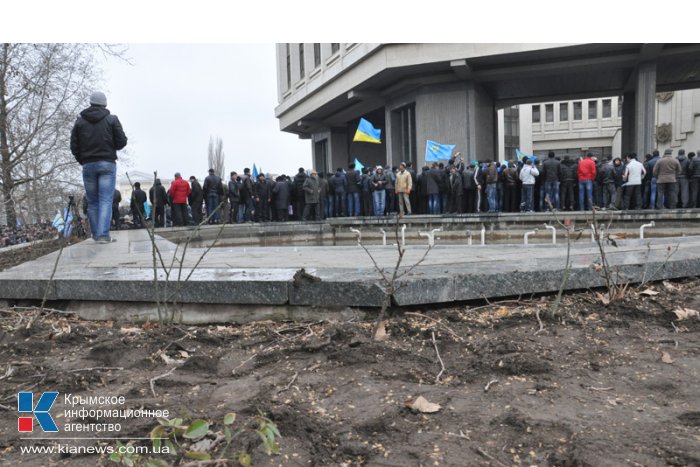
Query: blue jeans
(528, 198)
(552, 190)
(444, 198)
(434, 204)
(379, 198)
(340, 204)
(99, 179)
(354, 204)
(585, 189)
(329, 207)
(212, 204)
(491, 189)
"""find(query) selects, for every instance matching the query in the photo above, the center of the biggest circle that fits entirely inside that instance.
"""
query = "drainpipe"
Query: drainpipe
(403, 235)
(469, 237)
(483, 235)
(359, 235)
(430, 235)
(527, 234)
(383, 237)
(641, 229)
(554, 233)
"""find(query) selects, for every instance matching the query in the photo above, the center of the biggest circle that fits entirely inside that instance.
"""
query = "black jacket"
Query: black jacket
(212, 184)
(234, 192)
(694, 167)
(196, 196)
(551, 170)
(138, 197)
(97, 136)
(282, 193)
(162, 195)
(354, 181)
(568, 171)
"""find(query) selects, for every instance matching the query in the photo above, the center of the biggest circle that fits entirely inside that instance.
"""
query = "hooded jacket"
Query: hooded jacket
(667, 169)
(96, 136)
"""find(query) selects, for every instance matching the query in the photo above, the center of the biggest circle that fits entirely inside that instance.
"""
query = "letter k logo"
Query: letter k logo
(25, 403)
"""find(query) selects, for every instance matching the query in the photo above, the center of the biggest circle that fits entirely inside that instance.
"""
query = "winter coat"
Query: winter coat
(403, 182)
(138, 197)
(551, 170)
(339, 182)
(354, 181)
(491, 173)
(433, 181)
(455, 182)
(262, 191)
(649, 167)
(234, 191)
(116, 199)
(390, 180)
(568, 171)
(196, 196)
(212, 184)
(311, 191)
(667, 170)
(468, 182)
(607, 173)
(160, 198)
(510, 176)
(683, 161)
(323, 188)
(298, 181)
(528, 174)
(378, 181)
(694, 167)
(179, 191)
(282, 191)
(96, 136)
(586, 169)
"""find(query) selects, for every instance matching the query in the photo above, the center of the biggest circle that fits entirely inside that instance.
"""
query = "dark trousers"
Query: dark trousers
(262, 210)
(633, 197)
(470, 201)
(159, 215)
(115, 216)
(213, 207)
(283, 215)
(339, 201)
(390, 201)
(366, 203)
(511, 198)
(455, 203)
(299, 208)
(666, 194)
(233, 210)
(694, 189)
(137, 214)
(307, 211)
(179, 211)
(197, 212)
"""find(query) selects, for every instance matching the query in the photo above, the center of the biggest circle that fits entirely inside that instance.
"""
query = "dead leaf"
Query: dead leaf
(683, 313)
(422, 405)
(129, 330)
(649, 292)
(603, 299)
(670, 286)
(666, 358)
(381, 334)
(502, 312)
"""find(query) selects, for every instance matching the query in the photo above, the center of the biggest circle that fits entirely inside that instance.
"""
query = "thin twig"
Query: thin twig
(289, 385)
(105, 368)
(488, 385)
(537, 315)
(442, 365)
(489, 456)
(599, 389)
(447, 328)
(153, 380)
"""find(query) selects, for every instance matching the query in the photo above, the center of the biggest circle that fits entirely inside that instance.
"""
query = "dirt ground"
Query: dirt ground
(599, 386)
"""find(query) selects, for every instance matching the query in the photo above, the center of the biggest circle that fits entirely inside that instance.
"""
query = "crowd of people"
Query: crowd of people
(15, 235)
(533, 184)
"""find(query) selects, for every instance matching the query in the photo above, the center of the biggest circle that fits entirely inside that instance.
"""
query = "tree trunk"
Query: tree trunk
(7, 182)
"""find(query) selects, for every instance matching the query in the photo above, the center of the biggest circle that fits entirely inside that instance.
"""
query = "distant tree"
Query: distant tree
(216, 156)
(42, 89)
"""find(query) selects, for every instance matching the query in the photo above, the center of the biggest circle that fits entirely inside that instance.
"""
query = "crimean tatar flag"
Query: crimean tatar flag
(435, 151)
(366, 133)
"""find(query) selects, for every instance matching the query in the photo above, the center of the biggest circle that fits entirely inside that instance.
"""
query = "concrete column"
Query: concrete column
(638, 112)
(628, 123)
(482, 131)
(338, 148)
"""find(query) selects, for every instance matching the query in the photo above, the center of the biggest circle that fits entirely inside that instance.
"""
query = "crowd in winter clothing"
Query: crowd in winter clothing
(15, 235)
(533, 184)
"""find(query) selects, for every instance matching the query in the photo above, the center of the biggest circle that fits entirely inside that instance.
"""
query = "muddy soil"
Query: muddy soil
(598, 386)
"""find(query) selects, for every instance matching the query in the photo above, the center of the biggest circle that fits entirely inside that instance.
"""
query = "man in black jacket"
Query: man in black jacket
(551, 174)
(159, 198)
(196, 199)
(138, 198)
(234, 197)
(213, 190)
(116, 199)
(95, 139)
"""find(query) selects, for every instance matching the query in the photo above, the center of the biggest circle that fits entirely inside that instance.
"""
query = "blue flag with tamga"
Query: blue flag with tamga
(438, 152)
(366, 133)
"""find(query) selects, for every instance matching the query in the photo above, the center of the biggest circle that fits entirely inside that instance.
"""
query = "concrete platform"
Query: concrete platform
(342, 276)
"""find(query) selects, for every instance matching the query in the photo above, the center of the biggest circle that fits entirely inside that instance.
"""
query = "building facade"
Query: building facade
(567, 97)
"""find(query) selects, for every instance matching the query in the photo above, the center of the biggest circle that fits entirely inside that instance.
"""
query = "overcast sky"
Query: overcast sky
(172, 98)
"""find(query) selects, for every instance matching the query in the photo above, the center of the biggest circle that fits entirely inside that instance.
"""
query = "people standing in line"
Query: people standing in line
(311, 193)
(299, 195)
(666, 172)
(95, 139)
(159, 199)
(469, 188)
(491, 173)
(527, 176)
(366, 194)
(402, 189)
(390, 206)
(263, 196)
(178, 193)
(606, 175)
(234, 197)
(212, 189)
(455, 184)
(682, 190)
(246, 211)
(138, 198)
(510, 188)
(354, 186)
(323, 194)
(568, 178)
(693, 175)
(379, 191)
(633, 176)
(196, 200)
(586, 172)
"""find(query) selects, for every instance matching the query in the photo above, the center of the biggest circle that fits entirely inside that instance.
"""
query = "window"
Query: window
(578, 111)
(317, 55)
(592, 110)
(511, 132)
(607, 108)
(289, 66)
(536, 114)
(335, 47)
(549, 113)
(407, 122)
(301, 61)
(564, 112)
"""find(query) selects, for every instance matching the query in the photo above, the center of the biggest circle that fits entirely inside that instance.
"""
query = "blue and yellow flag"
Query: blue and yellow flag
(366, 133)
(436, 152)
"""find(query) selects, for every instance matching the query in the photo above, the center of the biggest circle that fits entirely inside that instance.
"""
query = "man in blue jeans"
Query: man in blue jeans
(94, 141)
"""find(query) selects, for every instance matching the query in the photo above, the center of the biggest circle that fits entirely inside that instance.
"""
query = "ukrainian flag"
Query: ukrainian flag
(366, 133)
(435, 151)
